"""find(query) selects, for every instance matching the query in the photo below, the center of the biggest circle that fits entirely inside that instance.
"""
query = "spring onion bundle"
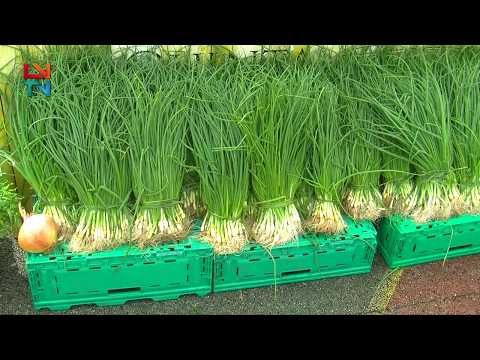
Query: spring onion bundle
(275, 132)
(463, 77)
(157, 124)
(32, 124)
(327, 162)
(90, 145)
(362, 199)
(417, 116)
(221, 157)
(398, 190)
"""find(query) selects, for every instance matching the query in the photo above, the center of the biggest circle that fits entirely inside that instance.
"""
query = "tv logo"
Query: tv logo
(39, 81)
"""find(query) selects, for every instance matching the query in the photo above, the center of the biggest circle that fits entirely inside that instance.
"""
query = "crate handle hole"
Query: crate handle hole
(124, 290)
(52, 258)
(296, 272)
(254, 259)
(170, 261)
(151, 262)
(95, 267)
(460, 247)
(414, 247)
(340, 249)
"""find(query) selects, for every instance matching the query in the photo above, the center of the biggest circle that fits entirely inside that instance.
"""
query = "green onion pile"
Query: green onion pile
(361, 199)
(156, 120)
(32, 124)
(221, 157)
(132, 148)
(327, 162)
(275, 130)
(91, 147)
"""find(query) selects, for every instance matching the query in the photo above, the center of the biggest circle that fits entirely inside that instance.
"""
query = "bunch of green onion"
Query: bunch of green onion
(32, 123)
(220, 155)
(361, 199)
(156, 119)
(462, 67)
(275, 130)
(416, 122)
(398, 187)
(327, 170)
(91, 147)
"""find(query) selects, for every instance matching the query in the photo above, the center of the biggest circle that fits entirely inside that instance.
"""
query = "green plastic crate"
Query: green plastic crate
(63, 279)
(403, 243)
(309, 257)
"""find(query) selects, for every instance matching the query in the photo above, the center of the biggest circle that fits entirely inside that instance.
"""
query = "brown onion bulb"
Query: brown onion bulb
(38, 234)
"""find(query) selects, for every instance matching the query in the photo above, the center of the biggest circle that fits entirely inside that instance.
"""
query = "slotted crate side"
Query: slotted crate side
(433, 241)
(61, 279)
(311, 257)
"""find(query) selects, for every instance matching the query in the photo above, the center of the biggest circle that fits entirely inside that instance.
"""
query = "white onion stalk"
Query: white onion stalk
(227, 236)
(59, 215)
(363, 204)
(154, 225)
(192, 203)
(399, 198)
(470, 199)
(276, 226)
(101, 229)
(436, 201)
(326, 218)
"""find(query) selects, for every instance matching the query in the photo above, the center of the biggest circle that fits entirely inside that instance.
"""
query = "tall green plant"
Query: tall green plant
(362, 199)
(90, 145)
(156, 120)
(275, 131)
(221, 155)
(327, 170)
(32, 122)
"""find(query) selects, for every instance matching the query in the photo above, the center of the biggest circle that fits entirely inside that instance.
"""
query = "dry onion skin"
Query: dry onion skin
(38, 234)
